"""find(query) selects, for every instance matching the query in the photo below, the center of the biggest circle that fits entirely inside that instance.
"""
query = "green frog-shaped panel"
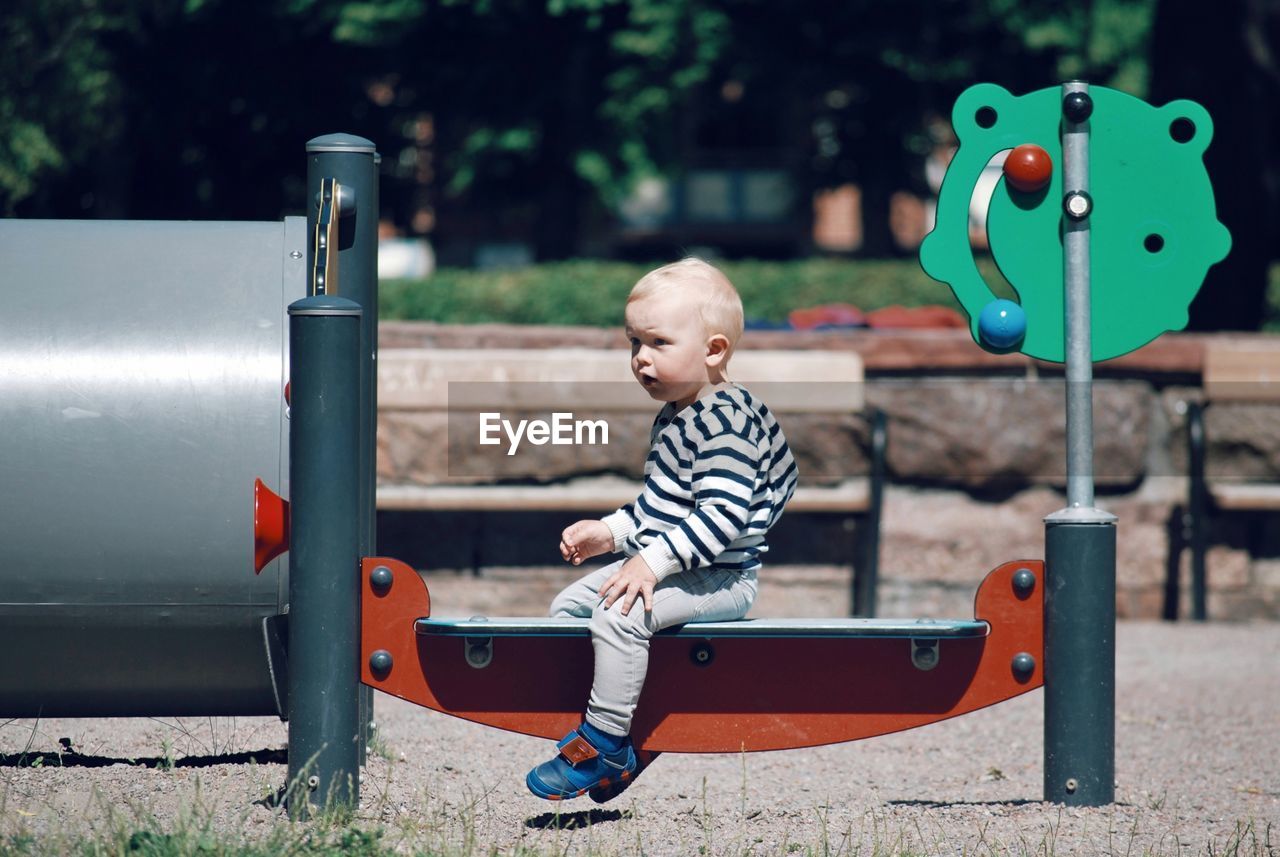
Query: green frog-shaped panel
(1154, 231)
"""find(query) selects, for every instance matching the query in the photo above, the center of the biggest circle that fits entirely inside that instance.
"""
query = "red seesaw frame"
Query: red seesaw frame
(759, 693)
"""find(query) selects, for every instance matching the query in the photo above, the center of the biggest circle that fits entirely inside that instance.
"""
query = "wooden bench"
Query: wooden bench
(535, 380)
(1233, 372)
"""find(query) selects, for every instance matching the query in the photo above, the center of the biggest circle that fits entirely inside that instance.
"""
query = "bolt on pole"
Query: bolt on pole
(1080, 540)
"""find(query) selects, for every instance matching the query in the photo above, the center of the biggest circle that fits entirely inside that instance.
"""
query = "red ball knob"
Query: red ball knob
(1028, 168)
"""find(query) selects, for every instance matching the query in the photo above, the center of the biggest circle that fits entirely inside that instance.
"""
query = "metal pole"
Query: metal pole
(353, 161)
(324, 583)
(866, 576)
(1197, 512)
(1080, 613)
(1076, 279)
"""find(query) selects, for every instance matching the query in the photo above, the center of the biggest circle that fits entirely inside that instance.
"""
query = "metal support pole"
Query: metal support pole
(866, 567)
(1080, 614)
(1197, 512)
(353, 161)
(324, 551)
(1079, 663)
(1077, 206)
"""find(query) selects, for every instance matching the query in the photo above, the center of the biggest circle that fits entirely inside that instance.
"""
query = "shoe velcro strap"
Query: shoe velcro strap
(577, 749)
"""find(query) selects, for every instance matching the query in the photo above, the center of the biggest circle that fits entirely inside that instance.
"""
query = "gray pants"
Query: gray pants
(621, 643)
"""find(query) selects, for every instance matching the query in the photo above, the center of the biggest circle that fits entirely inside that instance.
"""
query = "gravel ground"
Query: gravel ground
(1197, 766)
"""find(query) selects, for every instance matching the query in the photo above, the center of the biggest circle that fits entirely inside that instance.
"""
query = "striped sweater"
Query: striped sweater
(717, 477)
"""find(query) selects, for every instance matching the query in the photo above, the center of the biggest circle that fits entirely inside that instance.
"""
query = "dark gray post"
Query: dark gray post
(1197, 512)
(324, 554)
(1079, 663)
(866, 568)
(353, 161)
(1080, 540)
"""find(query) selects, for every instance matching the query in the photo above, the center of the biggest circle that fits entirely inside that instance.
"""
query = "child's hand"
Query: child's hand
(584, 540)
(634, 580)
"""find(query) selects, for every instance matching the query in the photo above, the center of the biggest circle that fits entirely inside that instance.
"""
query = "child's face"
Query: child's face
(669, 347)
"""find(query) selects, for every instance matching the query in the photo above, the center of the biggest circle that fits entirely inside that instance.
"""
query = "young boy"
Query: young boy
(716, 479)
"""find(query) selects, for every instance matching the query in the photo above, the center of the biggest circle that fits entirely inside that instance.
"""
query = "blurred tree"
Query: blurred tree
(1239, 83)
(557, 99)
(854, 85)
(165, 108)
(545, 108)
(218, 98)
(543, 111)
(57, 91)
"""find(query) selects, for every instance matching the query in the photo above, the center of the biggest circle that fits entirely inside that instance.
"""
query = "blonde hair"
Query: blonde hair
(718, 302)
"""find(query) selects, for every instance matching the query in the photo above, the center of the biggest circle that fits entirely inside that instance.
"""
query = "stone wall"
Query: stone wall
(976, 457)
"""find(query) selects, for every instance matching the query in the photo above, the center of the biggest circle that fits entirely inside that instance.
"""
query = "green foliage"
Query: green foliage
(56, 90)
(374, 23)
(1104, 41)
(528, 97)
(594, 293)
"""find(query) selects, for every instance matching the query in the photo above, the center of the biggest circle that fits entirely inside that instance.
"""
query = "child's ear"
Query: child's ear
(717, 349)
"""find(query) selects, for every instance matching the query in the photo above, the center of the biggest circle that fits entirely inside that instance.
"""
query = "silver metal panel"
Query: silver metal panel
(480, 626)
(142, 366)
(77, 660)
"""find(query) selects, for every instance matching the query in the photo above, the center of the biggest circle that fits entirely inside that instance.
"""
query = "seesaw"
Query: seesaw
(766, 684)
(148, 447)
(718, 687)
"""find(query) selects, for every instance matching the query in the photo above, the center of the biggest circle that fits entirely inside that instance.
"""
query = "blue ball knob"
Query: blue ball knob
(1002, 325)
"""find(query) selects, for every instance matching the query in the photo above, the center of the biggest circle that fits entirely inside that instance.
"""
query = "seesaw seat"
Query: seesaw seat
(750, 685)
(485, 626)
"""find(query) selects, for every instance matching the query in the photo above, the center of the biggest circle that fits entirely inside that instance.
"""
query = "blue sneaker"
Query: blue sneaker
(608, 791)
(579, 767)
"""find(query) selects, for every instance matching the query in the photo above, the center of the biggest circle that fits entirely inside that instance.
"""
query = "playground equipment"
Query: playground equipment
(151, 609)
(142, 370)
(1052, 624)
(1120, 176)
(1136, 172)
(721, 687)
(143, 385)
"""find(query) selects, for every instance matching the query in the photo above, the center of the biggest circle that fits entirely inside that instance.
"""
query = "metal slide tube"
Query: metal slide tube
(142, 375)
(324, 583)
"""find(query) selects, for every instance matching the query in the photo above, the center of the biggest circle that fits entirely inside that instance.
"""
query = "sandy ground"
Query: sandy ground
(1197, 766)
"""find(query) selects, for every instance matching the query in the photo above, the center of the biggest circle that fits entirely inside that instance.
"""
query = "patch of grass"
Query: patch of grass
(445, 824)
(378, 745)
(208, 736)
(343, 842)
(593, 292)
(879, 838)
